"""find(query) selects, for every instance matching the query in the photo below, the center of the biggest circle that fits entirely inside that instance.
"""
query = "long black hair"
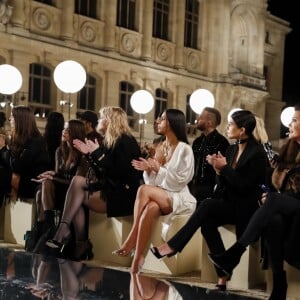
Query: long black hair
(246, 119)
(176, 119)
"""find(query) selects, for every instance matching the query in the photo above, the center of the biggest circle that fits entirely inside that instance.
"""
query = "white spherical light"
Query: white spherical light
(142, 101)
(231, 112)
(286, 115)
(10, 79)
(200, 99)
(69, 76)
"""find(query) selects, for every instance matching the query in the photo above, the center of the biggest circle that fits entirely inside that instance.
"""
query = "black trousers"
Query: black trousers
(209, 215)
(271, 220)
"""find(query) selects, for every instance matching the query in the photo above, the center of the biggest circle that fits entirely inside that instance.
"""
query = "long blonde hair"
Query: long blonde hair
(117, 124)
(260, 132)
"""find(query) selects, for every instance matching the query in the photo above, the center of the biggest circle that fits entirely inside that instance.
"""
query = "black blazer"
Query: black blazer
(241, 186)
(32, 161)
(120, 179)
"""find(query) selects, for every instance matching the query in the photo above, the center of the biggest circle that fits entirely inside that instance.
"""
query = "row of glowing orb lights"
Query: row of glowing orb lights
(70, 77)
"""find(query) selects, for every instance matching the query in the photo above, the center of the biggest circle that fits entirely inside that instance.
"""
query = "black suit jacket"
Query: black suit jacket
(241, 185)
(120, 179)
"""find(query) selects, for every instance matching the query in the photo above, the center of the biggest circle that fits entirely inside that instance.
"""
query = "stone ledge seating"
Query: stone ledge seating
(107, 234)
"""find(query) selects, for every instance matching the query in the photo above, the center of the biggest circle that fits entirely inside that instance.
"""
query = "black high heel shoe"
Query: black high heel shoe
(157, 254)
(59, 246)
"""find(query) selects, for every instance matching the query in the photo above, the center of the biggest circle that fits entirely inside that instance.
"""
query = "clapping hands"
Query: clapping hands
(86, 147)
(217, 161)
(147, 165)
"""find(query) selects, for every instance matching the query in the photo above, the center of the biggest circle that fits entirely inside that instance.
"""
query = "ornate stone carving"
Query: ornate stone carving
(42, 18)
(163, 52)
(193, 61)
(5, 12)
(88, 31)
(128, 43)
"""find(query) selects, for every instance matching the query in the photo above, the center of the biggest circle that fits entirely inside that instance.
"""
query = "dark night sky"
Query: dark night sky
(288, 11)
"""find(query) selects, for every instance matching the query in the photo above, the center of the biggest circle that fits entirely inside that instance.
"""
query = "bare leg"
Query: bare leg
(149, 215)
(145, 195)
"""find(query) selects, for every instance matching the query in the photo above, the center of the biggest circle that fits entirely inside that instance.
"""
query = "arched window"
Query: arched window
(40, 80)
(161, 19)
(126, 14)
(191, 23)
(86, 8)
(161, 99)
(87, 95)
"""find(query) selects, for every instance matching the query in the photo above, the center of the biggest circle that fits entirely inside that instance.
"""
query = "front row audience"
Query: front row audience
(165, 191)
(55, 183)
(112, 191)
(277, 220)
(238, 176)
(28, 152)
(112, 186)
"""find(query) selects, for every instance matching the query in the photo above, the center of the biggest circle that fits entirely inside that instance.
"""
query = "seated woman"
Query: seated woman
(273, 220)
(55, 183)
(239, 175)
(117, 181)
(166, 191)
(29, 155)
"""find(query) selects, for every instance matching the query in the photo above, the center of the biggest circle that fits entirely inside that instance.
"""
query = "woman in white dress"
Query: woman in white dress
(165, 191)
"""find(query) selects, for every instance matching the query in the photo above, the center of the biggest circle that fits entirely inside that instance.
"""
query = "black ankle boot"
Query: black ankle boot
(279, 286)
(229, 259)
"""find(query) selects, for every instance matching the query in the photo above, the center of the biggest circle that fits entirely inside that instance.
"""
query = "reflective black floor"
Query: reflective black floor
(31, 276)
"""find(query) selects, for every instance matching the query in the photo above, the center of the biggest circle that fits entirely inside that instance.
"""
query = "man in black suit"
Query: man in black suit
(209, 142)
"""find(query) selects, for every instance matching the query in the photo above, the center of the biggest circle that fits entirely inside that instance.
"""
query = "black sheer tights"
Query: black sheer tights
(74, 211)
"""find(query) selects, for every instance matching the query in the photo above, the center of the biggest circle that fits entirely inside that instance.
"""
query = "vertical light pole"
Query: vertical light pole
(142, 102)
(69, 77)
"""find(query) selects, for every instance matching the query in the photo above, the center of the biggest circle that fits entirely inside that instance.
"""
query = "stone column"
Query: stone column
(18, 15)
(147, 21)
(67, 13)
(179, 35)
(111, 84)
(110, 24)
(218, 22)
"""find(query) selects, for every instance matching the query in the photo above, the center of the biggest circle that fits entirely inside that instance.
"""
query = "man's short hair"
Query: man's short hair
(89, 116)
(216, 114)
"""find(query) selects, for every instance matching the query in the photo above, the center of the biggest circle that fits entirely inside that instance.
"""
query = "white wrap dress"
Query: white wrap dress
(174, 177)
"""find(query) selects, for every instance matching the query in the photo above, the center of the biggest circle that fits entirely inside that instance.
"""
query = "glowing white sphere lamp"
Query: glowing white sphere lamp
(200, 99)
(286, 115)
(231, 112)
(69, 76)
(142, 101)
(10, 79)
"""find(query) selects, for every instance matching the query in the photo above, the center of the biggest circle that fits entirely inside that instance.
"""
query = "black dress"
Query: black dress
(32, 161)
(118, 180)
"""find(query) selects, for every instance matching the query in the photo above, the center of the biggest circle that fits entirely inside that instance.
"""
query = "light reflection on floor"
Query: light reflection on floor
(31, 276)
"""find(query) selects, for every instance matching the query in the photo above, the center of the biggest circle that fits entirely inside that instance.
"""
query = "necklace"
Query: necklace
(168, 149)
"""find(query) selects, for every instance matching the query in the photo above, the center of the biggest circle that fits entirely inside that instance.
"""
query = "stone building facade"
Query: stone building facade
(233, 48)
